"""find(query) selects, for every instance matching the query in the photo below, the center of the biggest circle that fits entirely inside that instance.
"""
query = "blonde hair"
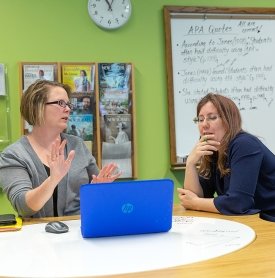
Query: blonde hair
(232, 122)
(34, 98)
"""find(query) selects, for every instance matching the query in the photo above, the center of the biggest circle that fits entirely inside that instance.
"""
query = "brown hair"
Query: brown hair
(232, 122)
(34, 98)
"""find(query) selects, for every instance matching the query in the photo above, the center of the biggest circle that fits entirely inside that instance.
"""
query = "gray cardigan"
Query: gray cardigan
(21, 170)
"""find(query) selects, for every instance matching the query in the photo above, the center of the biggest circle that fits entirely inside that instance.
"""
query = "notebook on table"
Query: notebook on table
(126, 207)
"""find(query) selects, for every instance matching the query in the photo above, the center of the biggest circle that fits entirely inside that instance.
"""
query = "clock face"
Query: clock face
(110, 14)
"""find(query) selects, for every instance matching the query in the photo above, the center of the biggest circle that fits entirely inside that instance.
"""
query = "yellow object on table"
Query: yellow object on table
(13, 227)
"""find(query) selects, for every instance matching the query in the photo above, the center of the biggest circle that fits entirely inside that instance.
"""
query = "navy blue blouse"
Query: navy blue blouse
(250, 186)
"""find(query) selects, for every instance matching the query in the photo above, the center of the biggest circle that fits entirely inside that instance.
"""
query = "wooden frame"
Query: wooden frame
(225, 15)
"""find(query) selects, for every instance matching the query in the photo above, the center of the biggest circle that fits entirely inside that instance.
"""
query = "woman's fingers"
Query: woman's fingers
(108, 170)
(57, 156)
(107, 174)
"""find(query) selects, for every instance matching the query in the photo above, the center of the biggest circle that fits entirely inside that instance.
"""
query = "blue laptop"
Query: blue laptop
(126, 207)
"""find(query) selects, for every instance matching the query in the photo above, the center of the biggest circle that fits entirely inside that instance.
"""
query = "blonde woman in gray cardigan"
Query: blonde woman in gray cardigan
(41, 172)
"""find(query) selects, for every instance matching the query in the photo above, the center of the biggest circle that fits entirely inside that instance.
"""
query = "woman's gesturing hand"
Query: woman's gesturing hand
(59, 166)
(107, 174)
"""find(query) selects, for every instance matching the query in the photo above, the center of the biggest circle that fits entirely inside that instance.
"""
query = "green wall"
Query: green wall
(5, 206)
(61, 30)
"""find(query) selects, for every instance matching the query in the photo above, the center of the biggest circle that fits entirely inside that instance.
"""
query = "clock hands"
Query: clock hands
(109, 5)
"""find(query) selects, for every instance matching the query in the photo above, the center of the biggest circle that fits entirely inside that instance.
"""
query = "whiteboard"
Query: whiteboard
(233, 55)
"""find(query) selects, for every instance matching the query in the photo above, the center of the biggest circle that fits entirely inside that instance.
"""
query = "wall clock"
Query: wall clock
(110, 14)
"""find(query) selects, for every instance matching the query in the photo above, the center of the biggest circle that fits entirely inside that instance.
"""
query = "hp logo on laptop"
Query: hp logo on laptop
(127, 208)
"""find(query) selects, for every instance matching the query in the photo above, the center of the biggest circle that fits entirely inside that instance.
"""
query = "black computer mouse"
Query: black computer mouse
(56, 227)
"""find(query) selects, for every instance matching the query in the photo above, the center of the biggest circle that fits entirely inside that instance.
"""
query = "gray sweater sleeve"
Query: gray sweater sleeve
(21, 170)
(16, 176)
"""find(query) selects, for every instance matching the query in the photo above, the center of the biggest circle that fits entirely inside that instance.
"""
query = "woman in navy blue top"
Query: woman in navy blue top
(236, 173)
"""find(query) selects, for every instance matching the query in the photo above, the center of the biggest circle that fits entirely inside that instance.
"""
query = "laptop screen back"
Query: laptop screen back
(127, 207)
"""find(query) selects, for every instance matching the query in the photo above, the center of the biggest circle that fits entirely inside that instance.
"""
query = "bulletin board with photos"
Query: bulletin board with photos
(103, 112)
